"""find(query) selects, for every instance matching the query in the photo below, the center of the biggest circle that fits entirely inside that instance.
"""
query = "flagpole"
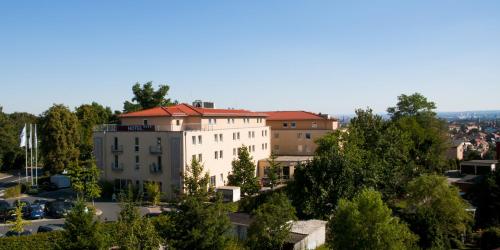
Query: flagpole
(36, 158)
(26, 155)
(31, 152)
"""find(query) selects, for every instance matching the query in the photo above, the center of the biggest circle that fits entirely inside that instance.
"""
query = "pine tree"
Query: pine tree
(243, 174)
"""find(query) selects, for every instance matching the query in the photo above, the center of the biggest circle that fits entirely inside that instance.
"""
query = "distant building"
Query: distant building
(156, 145)
(478, 167)
(456, 151)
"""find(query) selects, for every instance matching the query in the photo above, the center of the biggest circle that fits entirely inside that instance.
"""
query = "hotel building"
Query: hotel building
(156, 145)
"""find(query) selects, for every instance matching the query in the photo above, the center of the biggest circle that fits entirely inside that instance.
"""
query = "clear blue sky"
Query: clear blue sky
(322, 56)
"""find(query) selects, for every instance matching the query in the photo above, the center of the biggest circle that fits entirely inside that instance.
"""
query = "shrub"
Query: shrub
(12, 192)
(42, 241)
(490, 238)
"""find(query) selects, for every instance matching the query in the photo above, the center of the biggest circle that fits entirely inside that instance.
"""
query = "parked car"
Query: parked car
(42, 203)
(49, 186)
(14, 233)
(5, 210)
(58, 209)
(35, 211)
(25, 209)
(50, 228)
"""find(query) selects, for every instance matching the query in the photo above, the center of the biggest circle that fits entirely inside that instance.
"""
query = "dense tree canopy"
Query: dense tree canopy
(486, 197)
(243, 173)
(271, 223)
(147, 97)
(90, 115)
(81, 230)
(436, 212)
(367, 223)
(60, 136)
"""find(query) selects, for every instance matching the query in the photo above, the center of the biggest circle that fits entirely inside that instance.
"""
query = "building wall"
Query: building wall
(304, 124)
(295, 141)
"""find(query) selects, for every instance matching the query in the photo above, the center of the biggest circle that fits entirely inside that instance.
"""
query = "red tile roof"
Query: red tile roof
(293, 115)
(188, 110)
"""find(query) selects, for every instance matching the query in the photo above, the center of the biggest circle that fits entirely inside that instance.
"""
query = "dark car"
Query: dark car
(58, 209)
(42, 203)
(25, 209)
(49, 186)
(35, 211)
(50, 228)
(14, 233)
(5, 210)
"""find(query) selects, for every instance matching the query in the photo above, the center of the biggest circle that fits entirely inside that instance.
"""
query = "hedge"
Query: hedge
(42, 241)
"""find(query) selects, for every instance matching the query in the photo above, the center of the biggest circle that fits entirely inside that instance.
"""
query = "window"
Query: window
(308, 150)
(220, 154)
(199, 139)
(221, 178)
(276, 135)
(308, 136)
(253, 134)
(159, 164)
(253, 148)
(212, 180)
(220, 137)
(293, 124)
(193, 158)
(136, 159)
(262, 146)
(216, 155)
(266, 145)
(215, 121)
(136, 147)
(228, 121)
(262, 133)
(249, 134)
(210, 121)
(299, 136)
(216, 137)
(232, 120)
(177, 122)
(265, 132)
(299, 148)
(116, 161)
(238, 135)
(285, 125)
(158, 141)
(200, 157)
(234, 136)
(234, 151)
(314, 125)
(116, 143)
(194, 140)
(145, 122)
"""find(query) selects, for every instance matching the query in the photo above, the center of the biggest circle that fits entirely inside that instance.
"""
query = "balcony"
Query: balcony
(117, 166)
(117, 148)
(155, 150)
(155, 168)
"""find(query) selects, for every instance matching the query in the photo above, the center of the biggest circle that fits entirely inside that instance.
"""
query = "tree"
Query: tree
(90, 115)
(7, 137)
(60, 138)
(367, 223)
(412, 105)
(199, 224)
(85, 180)
(485, 197)
(134, 231)
(436, 212)
(271, 223)
(146, 97)
(243, 174)
(82, 231)
(274, 173)
(18, 224)
(154, 194)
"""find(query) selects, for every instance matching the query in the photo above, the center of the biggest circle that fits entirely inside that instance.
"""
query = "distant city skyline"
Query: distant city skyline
(323, 56)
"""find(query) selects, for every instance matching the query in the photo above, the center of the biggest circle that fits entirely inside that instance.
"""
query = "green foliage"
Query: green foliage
(85, 180)
(411, 105)
(367, 223)
(436, 212)
(11, 155)
(243, 173)
(19, 223)
(146, 97)
(88, 116)
(81, 230)
(154, 194)
(40, 241)
(485, 196)
(12, 192)
(60, 138)
(274, 171)
(198, 224)
(133, 231)
(271, 223)
(490, 238)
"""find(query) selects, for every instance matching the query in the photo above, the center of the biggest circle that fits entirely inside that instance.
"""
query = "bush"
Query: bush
(490, 238)
(12, 192)
(42, 241)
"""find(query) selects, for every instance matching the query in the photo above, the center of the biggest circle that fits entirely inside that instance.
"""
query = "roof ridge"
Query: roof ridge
(192, 108)
(166, 110)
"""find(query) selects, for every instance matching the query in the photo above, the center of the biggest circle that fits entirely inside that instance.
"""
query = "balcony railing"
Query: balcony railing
(117, 166)
(156, 149)
(153, 128)
(117, 148)
(155, 168)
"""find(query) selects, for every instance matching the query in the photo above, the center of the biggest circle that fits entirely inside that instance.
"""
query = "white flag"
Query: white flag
(35, 139)
(23, 137)
(30, 138)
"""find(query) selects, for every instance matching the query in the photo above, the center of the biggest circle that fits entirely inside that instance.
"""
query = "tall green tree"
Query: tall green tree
(274, 173)
(82, 231)
(134, 231)
(243, 173)
(60, 138)
(147, 97)
(90, 115)
(367, 223)
(11, 155)
(415, 115)
(271, 223)
(18, 223)
(436, 212)
(485, 196)
(199, 224)
(7, 138)
(85, 180)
